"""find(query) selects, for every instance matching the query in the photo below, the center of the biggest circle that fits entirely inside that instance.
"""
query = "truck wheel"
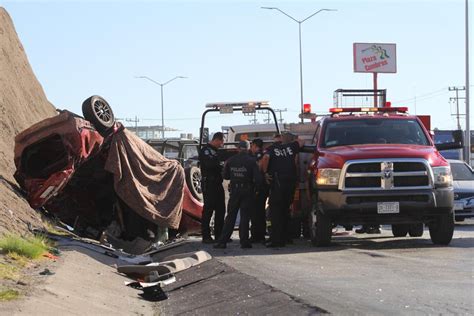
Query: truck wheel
(294, 228)
(97, 111)
(415, 230)
(193, 180)
(321, 229)
(442, 229)
(399, 230)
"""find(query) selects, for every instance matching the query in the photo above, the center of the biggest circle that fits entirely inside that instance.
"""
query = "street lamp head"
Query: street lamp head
(268, 8)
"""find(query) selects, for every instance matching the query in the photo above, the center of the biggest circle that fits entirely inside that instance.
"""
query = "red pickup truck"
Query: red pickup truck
(379, 166)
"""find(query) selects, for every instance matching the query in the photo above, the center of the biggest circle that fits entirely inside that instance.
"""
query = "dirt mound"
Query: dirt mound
(22, 103)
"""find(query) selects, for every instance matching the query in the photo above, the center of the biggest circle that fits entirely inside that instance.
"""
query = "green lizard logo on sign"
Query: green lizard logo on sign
(377, 50)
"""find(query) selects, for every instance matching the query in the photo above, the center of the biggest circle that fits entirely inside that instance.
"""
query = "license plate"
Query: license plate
(458, 206)
(388, 207)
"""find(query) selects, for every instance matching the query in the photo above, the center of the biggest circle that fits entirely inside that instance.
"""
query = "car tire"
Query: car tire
(442, 229)
(193, 180)
(320, 227)
(416, 230)
(98, 111)
(399, 230)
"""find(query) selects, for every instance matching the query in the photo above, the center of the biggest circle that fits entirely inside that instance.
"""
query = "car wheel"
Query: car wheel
(98, 111)
(399, 230)
(416, 230)
(442, 229)
(193, 180)
(320, 228)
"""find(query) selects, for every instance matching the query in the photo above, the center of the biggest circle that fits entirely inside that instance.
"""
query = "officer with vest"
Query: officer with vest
(279, 166)
(243, 173)
(258, 220)
(213, 192)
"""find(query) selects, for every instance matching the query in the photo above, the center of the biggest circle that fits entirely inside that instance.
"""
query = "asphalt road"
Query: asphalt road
(368, 274)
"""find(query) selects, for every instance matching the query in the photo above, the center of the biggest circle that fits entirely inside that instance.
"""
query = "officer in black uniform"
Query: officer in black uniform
(258, 220)
(243, 173)
(214, 198)
(279, 166)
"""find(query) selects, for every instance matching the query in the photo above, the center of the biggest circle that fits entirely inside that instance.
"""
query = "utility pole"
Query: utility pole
(254, 120)
(136, 120)
(456, 98)
(279, 111)
(131, 120)
(267, 120)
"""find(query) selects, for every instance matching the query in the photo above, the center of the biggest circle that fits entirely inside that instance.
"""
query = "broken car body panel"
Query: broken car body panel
(61, 164)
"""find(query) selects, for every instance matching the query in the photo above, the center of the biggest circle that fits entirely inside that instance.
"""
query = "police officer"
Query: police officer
(243, 173)
(214, 198)
(257, 218)
(279, 166)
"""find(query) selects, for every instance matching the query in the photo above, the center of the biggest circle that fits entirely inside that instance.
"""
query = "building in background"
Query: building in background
(152, 132)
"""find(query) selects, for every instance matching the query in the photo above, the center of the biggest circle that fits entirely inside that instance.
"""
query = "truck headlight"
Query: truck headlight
(328, 176)
(442, 176)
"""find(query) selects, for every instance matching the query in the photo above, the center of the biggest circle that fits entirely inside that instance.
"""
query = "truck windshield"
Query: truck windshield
(373, 131)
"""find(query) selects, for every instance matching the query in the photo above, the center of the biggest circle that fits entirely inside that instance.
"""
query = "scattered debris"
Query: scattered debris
(50, 256)
(46, 271)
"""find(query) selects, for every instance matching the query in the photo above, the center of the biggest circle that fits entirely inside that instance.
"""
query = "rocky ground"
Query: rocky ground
(22, 103)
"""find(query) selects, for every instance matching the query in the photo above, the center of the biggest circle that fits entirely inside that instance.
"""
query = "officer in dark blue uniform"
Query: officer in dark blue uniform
(214, 198)
(243, 173)
(279, 166)
(258, 220)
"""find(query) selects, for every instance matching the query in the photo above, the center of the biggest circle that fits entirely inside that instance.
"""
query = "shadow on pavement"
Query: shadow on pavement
(338, 244)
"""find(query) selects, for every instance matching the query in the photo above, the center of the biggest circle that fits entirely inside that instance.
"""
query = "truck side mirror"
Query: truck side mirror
(308, 149)
(458, 137)
(456, 144)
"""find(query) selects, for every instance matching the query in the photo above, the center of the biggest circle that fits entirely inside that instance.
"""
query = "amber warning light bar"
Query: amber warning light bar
(385, 109)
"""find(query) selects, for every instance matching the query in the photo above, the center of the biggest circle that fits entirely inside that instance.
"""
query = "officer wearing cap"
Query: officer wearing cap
(279, 166)
(214, 198)
(259, 225)
(243, 173)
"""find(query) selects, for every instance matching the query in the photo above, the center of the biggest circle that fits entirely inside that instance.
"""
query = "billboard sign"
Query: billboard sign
(373, 57)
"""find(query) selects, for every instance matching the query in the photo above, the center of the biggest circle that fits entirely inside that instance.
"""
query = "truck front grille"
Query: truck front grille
(389, 198)
(386, 174)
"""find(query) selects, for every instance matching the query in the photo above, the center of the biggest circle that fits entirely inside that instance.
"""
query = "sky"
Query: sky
(236, 51)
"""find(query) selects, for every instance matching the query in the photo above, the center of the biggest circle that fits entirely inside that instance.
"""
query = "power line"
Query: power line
(422, 96)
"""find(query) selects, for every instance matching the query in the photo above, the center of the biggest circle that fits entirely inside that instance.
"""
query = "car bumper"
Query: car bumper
(464, 213)
(362, 207)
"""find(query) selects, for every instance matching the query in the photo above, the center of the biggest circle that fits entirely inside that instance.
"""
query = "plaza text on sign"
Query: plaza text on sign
(374, 57)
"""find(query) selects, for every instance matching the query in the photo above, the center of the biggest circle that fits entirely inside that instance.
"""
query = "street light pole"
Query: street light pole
(468, 126)
(301, 53)
(162, 106)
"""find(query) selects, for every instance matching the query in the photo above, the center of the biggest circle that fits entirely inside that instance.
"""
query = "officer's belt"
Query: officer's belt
(241, 184)
(211, 178)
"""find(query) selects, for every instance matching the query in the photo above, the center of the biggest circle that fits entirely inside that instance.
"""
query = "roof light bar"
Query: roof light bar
(219, 105)
(384, 109)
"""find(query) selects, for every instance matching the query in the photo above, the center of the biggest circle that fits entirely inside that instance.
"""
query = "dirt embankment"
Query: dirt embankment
(22, 103)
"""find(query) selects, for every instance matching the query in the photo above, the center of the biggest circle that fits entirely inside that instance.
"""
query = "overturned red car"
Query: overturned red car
(97, 177)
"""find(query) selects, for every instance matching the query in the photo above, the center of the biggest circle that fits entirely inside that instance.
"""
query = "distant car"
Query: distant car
(186, 151)
(61, 165)
(463, 183)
